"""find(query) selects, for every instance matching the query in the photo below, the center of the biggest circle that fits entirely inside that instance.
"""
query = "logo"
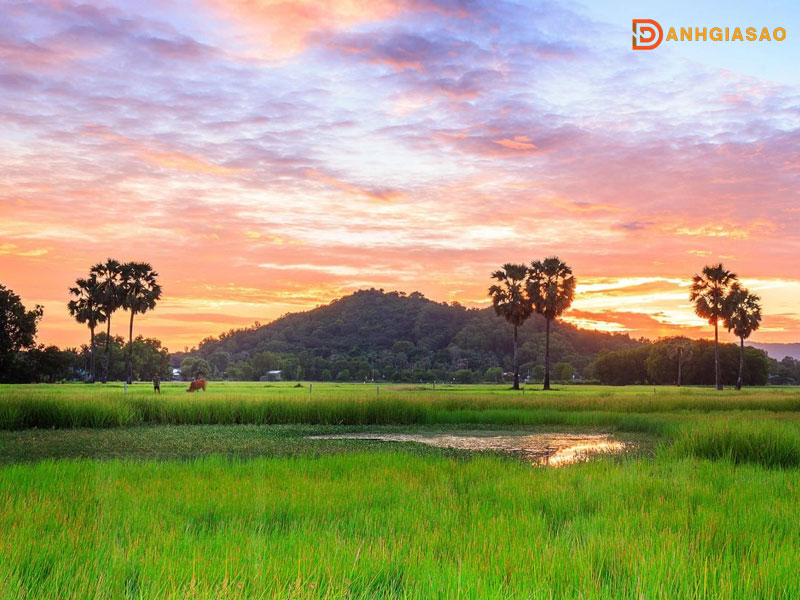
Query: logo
(647, 34)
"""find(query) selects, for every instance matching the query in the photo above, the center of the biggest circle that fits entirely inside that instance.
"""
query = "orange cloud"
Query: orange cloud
(155, 154)
(735, 231)
(185, 162)
(381, 195)
(283, 27)
(15, 250)
(519, 142)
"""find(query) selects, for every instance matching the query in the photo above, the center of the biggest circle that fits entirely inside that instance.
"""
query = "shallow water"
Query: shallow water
(549, 449)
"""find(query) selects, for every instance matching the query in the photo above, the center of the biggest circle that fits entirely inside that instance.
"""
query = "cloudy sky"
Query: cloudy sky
(268, 156)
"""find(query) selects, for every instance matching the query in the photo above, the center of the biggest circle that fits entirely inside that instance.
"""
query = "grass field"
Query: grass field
(223, 495)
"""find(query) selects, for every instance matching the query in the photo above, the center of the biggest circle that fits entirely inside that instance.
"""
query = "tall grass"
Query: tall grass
(93, 406)
(767, 442)
(396, 525)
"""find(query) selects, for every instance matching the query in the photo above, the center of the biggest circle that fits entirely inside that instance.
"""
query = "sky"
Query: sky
(270, 156)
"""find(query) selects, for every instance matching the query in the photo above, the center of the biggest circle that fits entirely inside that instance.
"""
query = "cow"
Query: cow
(197, 384)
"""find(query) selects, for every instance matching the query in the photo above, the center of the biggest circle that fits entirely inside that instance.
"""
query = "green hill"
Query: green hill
(396, 336)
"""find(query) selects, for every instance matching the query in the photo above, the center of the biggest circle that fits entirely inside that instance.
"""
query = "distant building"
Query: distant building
(271, 376)
(176, 374)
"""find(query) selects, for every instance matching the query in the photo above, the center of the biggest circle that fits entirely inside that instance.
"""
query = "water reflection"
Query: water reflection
(551, 449)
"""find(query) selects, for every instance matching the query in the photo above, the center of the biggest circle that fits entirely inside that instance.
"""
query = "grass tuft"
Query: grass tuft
(767, 443)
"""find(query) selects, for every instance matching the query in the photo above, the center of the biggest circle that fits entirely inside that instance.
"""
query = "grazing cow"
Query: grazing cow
(197, 384)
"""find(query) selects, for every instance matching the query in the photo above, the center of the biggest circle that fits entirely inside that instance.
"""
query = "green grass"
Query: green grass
(396, 525)
(223, 495)
(80, 405)
(771, 443)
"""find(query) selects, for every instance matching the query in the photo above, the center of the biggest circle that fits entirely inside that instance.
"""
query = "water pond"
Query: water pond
(545, 449)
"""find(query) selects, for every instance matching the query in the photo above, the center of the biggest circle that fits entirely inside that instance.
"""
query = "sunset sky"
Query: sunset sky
(269, 156)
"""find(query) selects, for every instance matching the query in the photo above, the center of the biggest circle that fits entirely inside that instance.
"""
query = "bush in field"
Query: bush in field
(192, 368)
(464, 376)
(623, 367)
(563, 371)
(494, 374)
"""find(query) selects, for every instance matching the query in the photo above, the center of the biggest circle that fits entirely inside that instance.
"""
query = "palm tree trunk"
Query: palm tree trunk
(130, 349)
(92, 372)
(547, 357)
(516, 364)
(717, 378)
(741, 364)
(107, 350)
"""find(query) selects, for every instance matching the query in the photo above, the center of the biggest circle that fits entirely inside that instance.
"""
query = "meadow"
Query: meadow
(224, 495)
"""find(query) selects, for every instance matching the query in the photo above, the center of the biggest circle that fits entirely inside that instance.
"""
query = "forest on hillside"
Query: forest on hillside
(398, 337)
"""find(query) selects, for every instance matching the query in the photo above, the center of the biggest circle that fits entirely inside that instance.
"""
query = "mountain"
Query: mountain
(396, 336)
(779, 351)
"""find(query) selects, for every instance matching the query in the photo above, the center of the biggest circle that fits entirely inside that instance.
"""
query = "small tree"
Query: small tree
(709, 292)
(551, 289)
(679, 349)
(743, 317)
(511, 302)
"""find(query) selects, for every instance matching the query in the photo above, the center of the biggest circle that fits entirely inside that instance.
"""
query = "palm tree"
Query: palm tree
(86, 309)
(708, 292)
(743, 317)
(511, 302)
(108, 280)
(551, 288)
(139, 293)
(679, 349)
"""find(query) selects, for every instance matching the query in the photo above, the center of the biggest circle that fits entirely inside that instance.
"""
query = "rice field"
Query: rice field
(234, 494)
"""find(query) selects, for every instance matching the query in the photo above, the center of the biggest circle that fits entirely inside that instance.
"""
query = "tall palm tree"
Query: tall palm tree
(708, 293)
(108, 280)
(743, 317)
(85, 308)
(511, 301)
(679, 349)
(551, 288)
(139, 292)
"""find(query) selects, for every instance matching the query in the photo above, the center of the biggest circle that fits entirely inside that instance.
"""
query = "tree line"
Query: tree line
(547, 288)
(23, 360)
(389, 336)
(109, 287)
(681, 361)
